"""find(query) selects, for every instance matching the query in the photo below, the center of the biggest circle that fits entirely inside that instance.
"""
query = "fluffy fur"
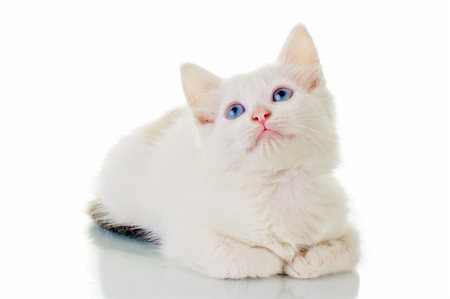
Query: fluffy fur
(223, 203)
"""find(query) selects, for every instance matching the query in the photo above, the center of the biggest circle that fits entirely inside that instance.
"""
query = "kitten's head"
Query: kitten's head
(275, 118)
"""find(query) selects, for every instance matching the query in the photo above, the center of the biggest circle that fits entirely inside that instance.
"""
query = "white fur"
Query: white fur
(224, 206)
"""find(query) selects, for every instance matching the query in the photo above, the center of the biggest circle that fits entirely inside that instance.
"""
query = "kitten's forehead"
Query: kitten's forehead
(253, 80)
(254, 86)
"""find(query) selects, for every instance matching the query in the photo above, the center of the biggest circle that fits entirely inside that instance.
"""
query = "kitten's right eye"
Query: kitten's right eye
(234, 111)
(282, 94)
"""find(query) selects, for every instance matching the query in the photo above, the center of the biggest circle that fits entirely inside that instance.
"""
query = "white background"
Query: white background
(74, 76)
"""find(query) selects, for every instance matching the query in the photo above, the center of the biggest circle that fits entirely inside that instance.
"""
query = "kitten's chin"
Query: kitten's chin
(269, 139)
(266, 135)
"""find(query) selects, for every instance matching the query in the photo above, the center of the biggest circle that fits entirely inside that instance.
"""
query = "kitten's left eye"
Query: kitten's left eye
(234, 111)
(282, 94)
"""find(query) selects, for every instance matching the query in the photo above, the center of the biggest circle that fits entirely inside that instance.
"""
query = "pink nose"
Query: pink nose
(262, 116)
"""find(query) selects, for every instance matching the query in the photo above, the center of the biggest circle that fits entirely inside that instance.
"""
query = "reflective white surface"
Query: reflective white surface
(130, 269)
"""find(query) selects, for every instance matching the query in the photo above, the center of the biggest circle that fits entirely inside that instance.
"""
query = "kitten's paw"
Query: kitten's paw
(327, 257)
(301, 268)
(313, 262)
(247, 263)
(235, 260)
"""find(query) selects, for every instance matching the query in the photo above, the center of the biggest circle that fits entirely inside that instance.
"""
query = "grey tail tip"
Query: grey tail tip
(102, 219)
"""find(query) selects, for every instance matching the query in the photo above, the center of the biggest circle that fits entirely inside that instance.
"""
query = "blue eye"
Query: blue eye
(282, 94)
(234, 111)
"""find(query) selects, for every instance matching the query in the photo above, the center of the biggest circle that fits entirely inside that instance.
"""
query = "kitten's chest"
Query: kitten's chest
(283, 215)
(291, 215)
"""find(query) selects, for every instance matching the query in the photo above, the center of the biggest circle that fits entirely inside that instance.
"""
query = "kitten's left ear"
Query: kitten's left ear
(199, 86)
(299, 50)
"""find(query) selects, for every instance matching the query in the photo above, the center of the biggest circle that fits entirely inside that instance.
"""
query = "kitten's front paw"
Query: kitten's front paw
(312, 263)
(302, 268)
(327, 257)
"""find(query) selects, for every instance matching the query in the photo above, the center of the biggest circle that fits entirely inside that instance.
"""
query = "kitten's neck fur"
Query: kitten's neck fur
(263, 180)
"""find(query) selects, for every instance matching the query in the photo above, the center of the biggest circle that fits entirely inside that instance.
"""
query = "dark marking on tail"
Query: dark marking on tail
(102, 219)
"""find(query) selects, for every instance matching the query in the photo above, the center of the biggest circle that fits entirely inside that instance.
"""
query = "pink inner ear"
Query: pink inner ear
(204, 120)
(309, 80)
(311, 84)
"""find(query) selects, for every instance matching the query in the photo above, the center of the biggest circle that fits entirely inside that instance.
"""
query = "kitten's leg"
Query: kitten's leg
(222, 257)
(327, 257)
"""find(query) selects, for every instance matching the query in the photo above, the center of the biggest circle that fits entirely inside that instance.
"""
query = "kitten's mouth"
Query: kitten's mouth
(267, 134)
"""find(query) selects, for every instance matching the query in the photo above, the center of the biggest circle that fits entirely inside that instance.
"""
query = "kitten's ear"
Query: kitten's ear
(299, 49)
(199, 86)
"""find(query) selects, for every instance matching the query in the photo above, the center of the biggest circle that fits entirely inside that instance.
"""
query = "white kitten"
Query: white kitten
(240, 184)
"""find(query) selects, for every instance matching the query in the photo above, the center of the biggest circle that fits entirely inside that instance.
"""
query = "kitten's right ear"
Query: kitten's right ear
(299, 49)
(199, 86)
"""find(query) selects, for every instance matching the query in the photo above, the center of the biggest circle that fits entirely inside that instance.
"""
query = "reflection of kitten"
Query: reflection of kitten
(240, 184)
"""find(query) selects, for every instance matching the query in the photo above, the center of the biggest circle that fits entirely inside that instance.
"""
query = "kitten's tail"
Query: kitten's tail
(101, 217)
